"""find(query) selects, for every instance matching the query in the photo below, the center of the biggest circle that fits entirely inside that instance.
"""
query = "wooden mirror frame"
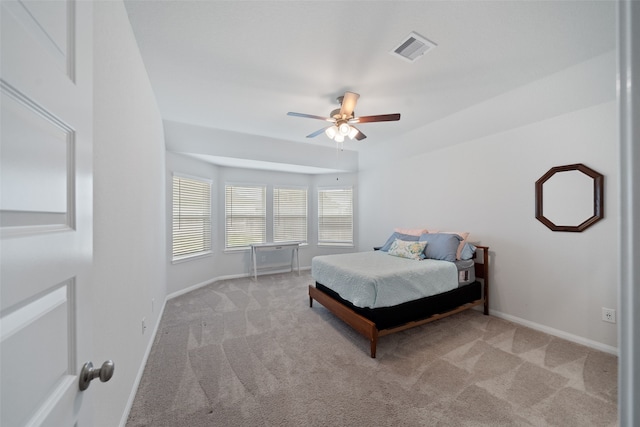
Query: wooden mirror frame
(598, 201)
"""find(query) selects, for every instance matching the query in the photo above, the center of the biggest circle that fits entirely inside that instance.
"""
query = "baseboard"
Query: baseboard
(201, 284)
(143, 364)
(556, 332)
(229, 277)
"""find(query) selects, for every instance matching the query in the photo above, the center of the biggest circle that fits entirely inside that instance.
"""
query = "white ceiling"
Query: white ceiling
(240, 66)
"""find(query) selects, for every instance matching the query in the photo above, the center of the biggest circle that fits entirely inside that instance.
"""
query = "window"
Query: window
(191, 217)
(335, 217)
(289, 215)
(245, 216)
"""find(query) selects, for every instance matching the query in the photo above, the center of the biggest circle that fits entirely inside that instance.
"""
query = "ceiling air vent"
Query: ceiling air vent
(412, 47)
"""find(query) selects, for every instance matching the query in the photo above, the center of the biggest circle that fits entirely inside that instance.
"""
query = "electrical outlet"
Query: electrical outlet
(608, 315)
(153, 303)
(144, 325)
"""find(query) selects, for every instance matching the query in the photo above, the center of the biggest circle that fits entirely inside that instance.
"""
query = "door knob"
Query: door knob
(88, 373)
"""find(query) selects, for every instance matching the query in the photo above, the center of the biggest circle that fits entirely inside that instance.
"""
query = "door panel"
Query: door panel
(45, 211)
(42, 326)
(37, 167)
(50, 28)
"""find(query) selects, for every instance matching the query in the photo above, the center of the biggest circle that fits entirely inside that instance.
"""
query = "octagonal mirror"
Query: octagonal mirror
(569, 198)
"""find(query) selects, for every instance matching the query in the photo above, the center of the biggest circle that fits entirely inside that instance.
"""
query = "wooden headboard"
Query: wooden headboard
(482, 272)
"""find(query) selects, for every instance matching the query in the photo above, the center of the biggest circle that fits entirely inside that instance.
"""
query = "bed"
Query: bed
(362, 289)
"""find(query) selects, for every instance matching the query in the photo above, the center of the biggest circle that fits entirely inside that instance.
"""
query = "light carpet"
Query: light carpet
(246, 353)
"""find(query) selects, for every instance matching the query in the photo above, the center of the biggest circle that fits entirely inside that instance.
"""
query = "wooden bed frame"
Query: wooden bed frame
(368, 328)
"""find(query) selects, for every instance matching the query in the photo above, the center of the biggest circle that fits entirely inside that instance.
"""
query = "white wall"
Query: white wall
(484, 184)
(129, 210)
(188, 274)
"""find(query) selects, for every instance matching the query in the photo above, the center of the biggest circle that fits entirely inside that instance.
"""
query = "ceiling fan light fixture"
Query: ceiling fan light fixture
(331, 132)
(342, 119)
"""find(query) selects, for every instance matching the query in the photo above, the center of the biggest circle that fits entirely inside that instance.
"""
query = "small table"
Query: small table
(256, 247)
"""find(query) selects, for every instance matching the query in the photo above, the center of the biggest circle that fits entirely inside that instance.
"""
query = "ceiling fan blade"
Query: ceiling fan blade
(311, 116)
(318, 132)
(348, 104)
(359, 136)
(378, 118)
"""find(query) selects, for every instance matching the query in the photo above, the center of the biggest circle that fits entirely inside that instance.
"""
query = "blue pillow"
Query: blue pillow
(467, 251)
(396, 235)
(443, 246)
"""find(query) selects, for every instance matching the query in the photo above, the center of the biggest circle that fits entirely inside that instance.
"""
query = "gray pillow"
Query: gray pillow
(396, 235)
(443, 246)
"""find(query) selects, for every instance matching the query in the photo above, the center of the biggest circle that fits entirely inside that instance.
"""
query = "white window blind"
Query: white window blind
(289, 215)
(191, 217)
(245, 216)
(335, 217)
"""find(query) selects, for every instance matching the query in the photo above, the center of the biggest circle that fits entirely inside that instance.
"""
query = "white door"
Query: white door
(45, 210)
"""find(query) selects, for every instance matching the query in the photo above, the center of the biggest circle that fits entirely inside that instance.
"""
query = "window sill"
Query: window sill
(186, 258)
(336, 245)
(237, 250)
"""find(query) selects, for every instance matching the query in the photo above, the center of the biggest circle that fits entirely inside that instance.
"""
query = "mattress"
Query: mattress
(377, 279)
(410, 311)
(466, 272)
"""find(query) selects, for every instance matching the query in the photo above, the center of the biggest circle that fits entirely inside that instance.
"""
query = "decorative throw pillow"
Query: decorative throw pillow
(442, 246)
(404, 249)
(396, 235)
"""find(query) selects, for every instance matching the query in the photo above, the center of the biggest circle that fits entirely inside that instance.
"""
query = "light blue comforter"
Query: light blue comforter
(377, 279)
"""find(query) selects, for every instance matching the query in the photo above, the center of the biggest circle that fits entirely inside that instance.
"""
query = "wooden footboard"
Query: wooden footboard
(368, 328)
(360, 323)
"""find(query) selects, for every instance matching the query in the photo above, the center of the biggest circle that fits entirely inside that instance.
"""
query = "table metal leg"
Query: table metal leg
(255, 268)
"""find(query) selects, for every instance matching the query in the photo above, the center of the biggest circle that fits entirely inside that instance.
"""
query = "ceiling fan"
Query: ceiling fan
(343, 119)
